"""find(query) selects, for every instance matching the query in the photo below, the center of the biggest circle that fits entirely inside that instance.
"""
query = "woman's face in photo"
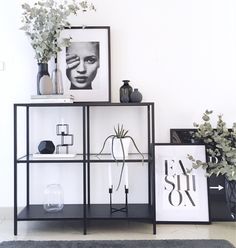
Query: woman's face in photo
(82, 60)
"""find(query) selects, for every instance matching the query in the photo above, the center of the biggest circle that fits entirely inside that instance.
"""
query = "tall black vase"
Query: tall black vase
(125, 91)
(42, 70)
(230, 192)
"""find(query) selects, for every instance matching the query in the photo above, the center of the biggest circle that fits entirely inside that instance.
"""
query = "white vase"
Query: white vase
(45, 85)
(117, 147)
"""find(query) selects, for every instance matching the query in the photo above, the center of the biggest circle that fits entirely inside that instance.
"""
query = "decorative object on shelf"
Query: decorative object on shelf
(125, 91)
(53, 198)
(46, 147)
(42, 71)
(66, 138)
(45, 85)
(136, 96)
(220, 143)
(230, 192)
(52, 98)
(118, 139)
(43, 31)
(85, 64)
(57, 80)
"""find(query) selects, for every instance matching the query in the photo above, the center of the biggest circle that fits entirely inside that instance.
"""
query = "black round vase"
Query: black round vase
(136, 96)
(46, 147)
(42, 70)
(230, 192)
(125, 91)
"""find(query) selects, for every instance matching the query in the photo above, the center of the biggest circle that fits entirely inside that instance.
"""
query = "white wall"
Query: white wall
(181, 54)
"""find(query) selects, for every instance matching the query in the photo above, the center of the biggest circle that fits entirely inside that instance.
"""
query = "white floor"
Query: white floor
(101, 230)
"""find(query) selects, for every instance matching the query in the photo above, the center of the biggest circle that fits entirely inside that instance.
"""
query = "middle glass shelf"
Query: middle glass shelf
(79, 158)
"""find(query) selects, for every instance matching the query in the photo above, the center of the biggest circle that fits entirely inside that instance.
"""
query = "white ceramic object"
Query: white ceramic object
(45, 85)
(117, 148)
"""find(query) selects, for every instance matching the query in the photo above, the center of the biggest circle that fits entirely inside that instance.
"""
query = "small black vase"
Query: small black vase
(136, 96)
(42, 70)
(230, 192)
(125, 91)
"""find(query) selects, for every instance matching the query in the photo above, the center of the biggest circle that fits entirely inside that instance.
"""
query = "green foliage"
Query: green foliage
(43, 23)
(220, 146)
(120, 132)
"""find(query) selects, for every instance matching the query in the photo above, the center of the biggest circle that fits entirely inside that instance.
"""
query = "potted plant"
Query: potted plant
(221, 152)
(119, 146)
(43, 23)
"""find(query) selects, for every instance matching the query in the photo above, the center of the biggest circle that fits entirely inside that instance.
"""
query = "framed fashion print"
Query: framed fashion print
(181, 193)
(85, 64)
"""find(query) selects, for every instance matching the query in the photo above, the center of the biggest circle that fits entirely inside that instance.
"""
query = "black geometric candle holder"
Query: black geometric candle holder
(66, 138)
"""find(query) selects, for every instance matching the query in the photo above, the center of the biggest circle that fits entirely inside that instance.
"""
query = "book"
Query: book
(52, 98)
(65, 100)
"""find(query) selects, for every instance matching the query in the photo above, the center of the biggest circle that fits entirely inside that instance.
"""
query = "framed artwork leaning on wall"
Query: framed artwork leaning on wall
(217, 197)
(85, 63)
(181, 195)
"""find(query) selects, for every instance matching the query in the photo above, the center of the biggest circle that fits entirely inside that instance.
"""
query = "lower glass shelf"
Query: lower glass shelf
(93, 211)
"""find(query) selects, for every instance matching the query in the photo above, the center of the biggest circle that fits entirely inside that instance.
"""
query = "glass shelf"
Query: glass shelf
(132, 157)
(78, 158)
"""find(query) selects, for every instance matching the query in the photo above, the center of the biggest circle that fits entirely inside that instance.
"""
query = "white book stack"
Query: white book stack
(52, 99)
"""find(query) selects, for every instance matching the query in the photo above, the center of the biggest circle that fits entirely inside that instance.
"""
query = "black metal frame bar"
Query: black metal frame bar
(88, 153)
(15, 169)
(27, 155)
(84, 170)
(153, 168)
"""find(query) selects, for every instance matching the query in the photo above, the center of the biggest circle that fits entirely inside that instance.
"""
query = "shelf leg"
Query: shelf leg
(126, 197)
(15, 227)
(154, 227)
(85, 227)
(110, 193)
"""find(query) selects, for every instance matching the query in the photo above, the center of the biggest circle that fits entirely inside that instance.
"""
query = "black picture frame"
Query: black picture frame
(219, 210)
(86, 85)
(181, 195)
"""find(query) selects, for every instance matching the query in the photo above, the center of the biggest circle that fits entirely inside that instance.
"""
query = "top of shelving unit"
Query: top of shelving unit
(77, 104)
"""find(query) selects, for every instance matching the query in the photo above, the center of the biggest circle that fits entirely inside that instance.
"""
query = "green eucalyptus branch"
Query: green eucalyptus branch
(43, 23)
(220, 147)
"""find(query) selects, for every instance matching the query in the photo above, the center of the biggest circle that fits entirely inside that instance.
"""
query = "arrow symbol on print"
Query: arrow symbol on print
(219, 187)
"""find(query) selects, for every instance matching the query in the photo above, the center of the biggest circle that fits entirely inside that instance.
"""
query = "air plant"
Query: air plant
(119, 133)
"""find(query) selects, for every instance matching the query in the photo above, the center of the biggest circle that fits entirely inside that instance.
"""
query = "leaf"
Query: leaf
(43, 21)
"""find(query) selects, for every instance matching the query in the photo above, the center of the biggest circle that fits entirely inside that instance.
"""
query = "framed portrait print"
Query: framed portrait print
(85, 64)
(181, 193)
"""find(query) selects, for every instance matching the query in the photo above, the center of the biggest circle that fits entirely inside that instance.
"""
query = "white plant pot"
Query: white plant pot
(117, 148)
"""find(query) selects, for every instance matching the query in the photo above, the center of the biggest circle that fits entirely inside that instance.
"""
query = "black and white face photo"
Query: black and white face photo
(82, 59)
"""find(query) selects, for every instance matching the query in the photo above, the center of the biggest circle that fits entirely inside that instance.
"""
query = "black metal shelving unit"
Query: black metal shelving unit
(86, 211)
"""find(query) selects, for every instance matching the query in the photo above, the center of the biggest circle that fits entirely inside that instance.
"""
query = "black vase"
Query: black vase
(136, 96)
(125, 91)
(42, 70)
(230, 192)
